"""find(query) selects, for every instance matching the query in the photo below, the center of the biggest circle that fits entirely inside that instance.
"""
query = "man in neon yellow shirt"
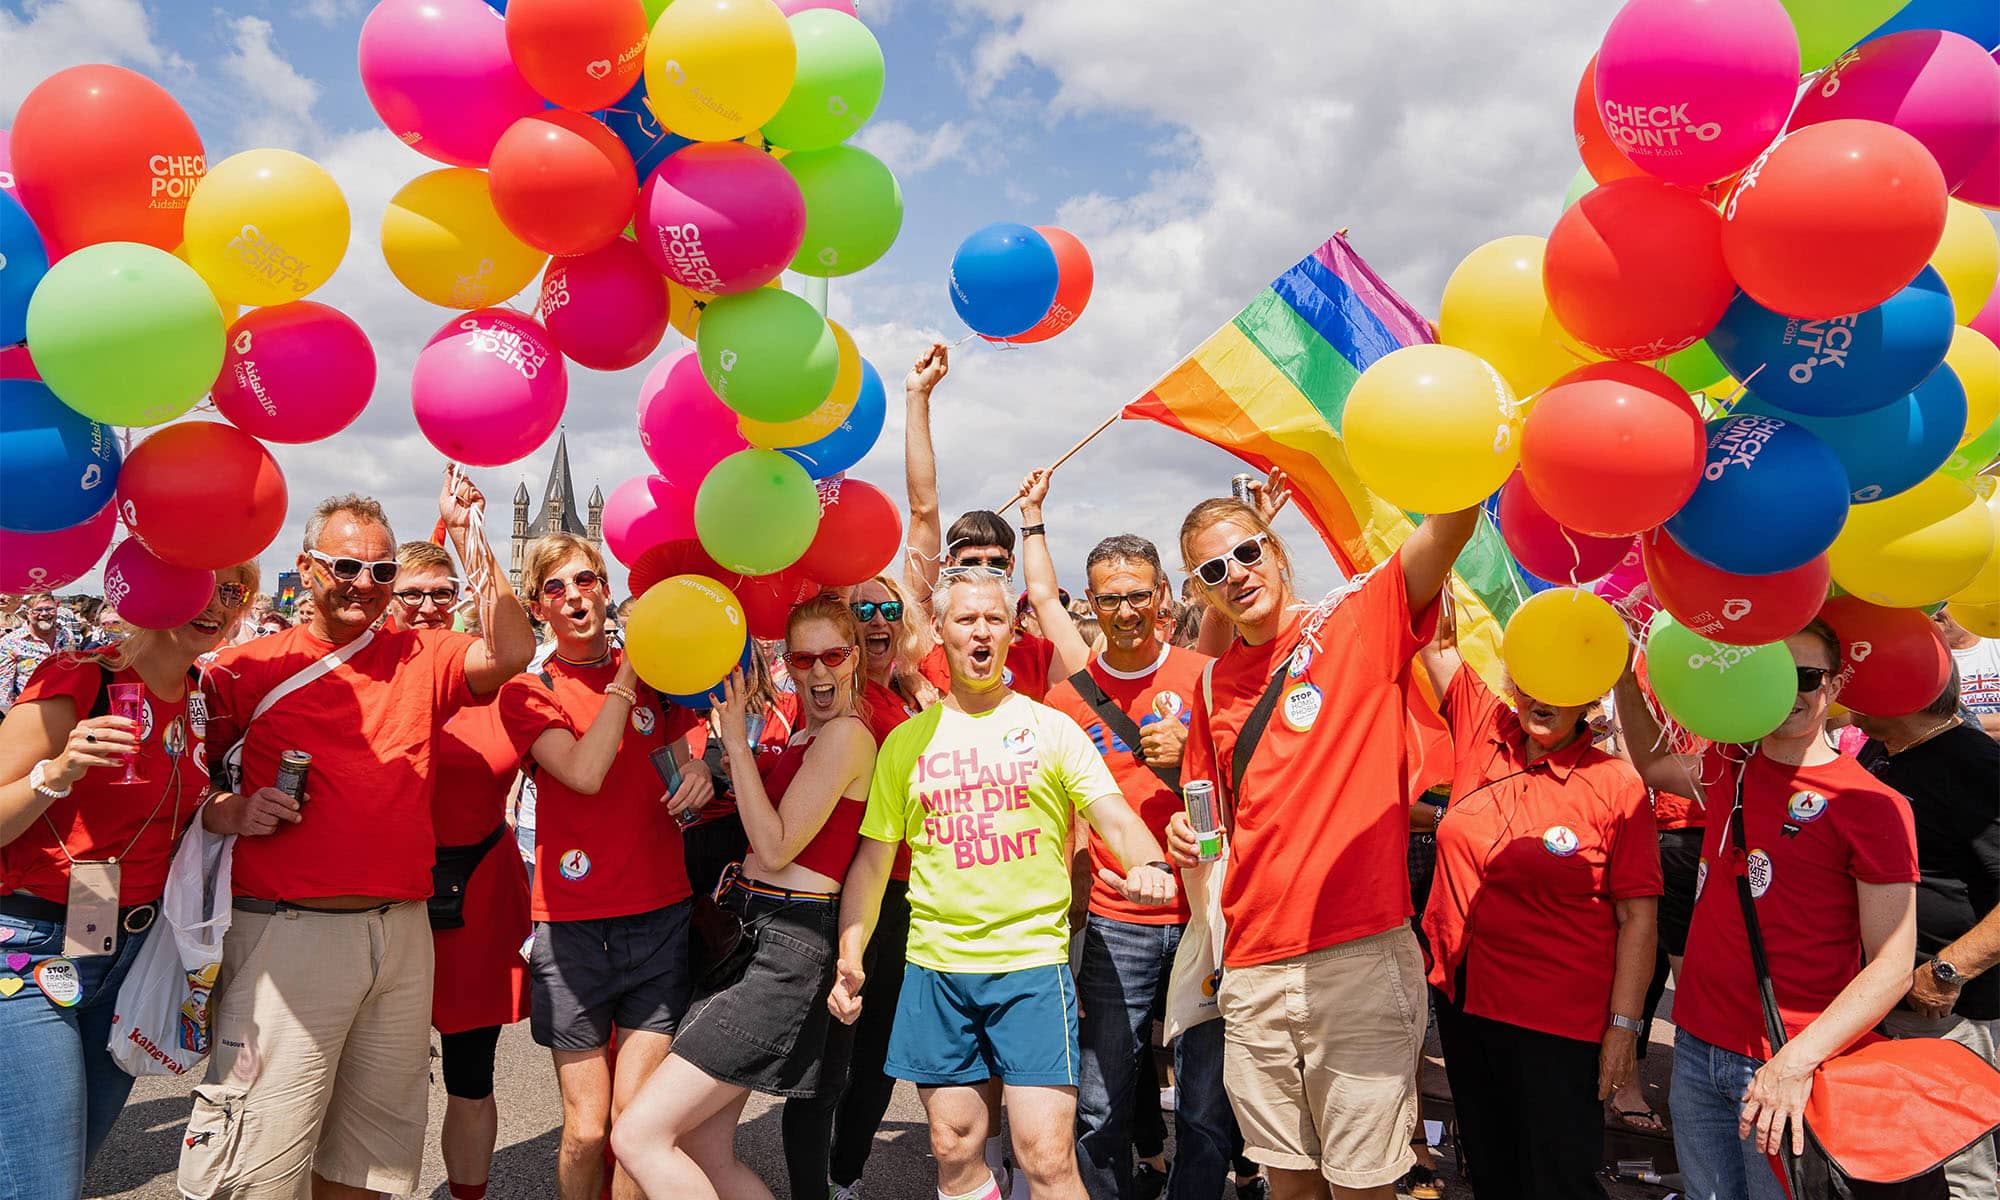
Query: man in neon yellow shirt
(981, 787)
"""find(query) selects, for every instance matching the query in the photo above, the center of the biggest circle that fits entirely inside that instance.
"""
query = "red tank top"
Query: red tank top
(831, 850)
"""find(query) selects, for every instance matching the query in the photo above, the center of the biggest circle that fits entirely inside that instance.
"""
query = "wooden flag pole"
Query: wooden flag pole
(1071, 452)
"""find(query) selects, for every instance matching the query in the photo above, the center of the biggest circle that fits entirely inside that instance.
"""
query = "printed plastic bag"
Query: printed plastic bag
(160, 1025)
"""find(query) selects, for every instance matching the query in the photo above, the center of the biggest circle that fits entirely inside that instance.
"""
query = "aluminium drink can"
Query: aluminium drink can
(293, 766)
(1240, 487)
(1199, 795)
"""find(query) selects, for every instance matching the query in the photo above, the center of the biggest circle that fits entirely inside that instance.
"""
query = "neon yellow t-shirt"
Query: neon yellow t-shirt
(985, 804)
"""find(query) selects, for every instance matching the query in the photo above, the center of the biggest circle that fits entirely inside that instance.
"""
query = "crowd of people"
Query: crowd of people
(942, 833)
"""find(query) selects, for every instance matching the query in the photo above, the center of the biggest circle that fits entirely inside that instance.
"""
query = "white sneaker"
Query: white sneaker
(836, 1192)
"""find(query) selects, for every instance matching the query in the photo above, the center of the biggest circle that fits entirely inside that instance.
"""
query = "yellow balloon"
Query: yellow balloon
(443, 240)
(1432, 428)
(229, 311)
(684, 309)
(1564, 646)
(718, 69)
(685, 634)
(1494, 307)
(266, 226)
(1976, 362)
(1984, 590)
(1968, 256)
(1913, 549)
(1982, 619)
(837, 406)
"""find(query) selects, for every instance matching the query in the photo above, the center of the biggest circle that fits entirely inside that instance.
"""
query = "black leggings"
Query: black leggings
(468, 1062)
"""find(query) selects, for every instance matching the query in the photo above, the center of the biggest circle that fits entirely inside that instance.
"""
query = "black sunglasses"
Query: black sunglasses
(865, 610)
(1812, 679)
(381, 570)
(1249, 552)
(999, 562)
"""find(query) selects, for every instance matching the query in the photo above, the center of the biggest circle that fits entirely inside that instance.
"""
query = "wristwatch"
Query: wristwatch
(1627, 1023)
(1946, 973)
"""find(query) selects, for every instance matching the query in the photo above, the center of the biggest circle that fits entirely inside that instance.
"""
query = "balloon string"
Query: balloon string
(477, 555)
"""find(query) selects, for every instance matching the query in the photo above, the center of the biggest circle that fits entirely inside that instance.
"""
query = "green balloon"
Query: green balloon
(125, 334)
(1969, 460)
(838, 85)
(757, 511)
(854, 209)
(767, 354)
(1828, 27)
(1695, 368)
(1579, 183)
(1721, 692)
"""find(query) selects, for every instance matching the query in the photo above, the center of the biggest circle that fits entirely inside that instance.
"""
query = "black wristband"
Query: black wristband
(1031, 530)
(1164, 866)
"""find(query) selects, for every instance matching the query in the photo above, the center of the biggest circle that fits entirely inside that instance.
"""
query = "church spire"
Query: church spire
(559, 510)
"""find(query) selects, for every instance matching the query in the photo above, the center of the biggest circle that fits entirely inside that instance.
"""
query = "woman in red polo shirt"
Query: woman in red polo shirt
(1541, 931)
(63, 804)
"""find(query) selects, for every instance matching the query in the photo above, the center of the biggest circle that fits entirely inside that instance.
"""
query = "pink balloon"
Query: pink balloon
(646, 511)
(1938, 87)
(684, 427)
(1987, 319)
(1548, 550)
(1628, 589)
(295, 372)
(440, 76)
(794, 7)
(152, 594)
(721, 217)
(42, 562)
(490, 388)
(607, 309)
(1693, 90)
(15, 363)
(1982, 183)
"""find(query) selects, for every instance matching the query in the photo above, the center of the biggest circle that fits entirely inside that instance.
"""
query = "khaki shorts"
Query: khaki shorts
(322, 1057)
(1321, 1057)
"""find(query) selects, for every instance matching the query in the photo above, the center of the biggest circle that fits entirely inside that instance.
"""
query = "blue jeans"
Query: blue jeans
(1707, 1099)
(1125, 968)
(63, 1090)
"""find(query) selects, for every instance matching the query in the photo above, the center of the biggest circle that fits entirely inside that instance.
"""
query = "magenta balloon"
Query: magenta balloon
(607, 309)
(646, 511)
(1987, 319)
(1938, 87)
(721, 217)
(152, 594)
(1692, 90)
(439, 75)
(1628, 589)
(1982, 183)
(15, 364)
(490, 388)
(684, 427)
(295, 372)
(1549, 551)
(42, 562)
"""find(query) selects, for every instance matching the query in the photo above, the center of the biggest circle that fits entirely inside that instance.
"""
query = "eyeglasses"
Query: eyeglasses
(1812, 679)
(801, 661)
(1249, 552)
(586, 581)
(997, 562)
(1110, 603)
(231, 595)
(865, 610)
(381, 570)
(44, 611)
(443, 597)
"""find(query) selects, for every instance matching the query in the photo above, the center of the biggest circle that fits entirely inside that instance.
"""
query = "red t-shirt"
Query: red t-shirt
(831, 850)
(885, 711)
(1530, 857)
(1812, 833)
(618, 852)
(477, 759)
(101, 818)
(1320, 851)
(1169, 684)
(371, 725)
(1027, 669)
(1675, 812)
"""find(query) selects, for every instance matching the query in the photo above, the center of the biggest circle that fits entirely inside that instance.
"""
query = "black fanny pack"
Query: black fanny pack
(449, 875)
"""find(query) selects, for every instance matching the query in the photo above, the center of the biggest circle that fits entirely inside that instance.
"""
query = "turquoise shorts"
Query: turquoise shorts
(1015, 1026)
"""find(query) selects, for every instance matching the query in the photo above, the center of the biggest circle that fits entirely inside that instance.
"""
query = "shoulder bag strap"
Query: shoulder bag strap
(323, 665)
(1119, 722)
(1251, 733)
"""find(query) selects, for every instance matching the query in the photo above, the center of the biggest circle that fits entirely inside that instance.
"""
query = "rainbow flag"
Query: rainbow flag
(1269, 387)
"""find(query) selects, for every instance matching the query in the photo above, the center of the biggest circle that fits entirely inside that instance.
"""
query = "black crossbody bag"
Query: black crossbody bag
(1118, 721)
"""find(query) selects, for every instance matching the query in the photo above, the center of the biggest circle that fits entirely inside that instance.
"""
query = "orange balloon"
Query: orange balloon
(562, 182)
(581, 54)
(1600, 153)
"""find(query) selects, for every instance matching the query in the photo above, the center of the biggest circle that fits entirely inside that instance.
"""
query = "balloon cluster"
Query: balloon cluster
(1752, 363)
(125, 260)
(1014, 283)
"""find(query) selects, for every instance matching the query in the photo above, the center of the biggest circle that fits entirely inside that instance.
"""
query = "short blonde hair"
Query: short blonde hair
(418, 556)
(550, 551)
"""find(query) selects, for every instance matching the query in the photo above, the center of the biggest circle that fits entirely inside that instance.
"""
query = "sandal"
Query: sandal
(1420, 1183)
(1641, 1120)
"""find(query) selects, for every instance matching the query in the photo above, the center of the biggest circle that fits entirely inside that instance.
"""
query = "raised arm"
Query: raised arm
(1639, 735)
(1429, 553)
(1441, 659)
(926, 534)
(1072, 652)
(507, 641)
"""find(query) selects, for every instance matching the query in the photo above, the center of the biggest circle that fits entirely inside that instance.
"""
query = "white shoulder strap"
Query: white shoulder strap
(313, 670)
(1208, 687)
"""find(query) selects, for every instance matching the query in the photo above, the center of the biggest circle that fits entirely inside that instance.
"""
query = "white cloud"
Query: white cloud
(909, 151)
(278, 100)
(50, 35)
(331, 12)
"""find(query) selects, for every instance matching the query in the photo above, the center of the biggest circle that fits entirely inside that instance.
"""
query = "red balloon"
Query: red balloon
(768, 599)
(1634, 269)
(860, 533)
(581, 54)
(606, 310)
(1834, 218)
(562, 182)
(202, 494)
(1545, 547)
(1593, 142)
(1613, 449)
(668, 559)
(1742, 610)
(1893, 661)
(103, 154)
(1074, 278)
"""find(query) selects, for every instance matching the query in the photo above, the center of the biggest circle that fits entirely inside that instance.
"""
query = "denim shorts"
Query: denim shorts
(1016, 1026)
(763, 1024)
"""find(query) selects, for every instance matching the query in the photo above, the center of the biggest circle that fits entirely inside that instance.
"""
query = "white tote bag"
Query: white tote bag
(160, 1024)
(1197, 972)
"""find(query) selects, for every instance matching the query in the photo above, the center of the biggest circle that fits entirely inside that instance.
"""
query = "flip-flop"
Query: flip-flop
(1420, 1183)
(1632, 1118)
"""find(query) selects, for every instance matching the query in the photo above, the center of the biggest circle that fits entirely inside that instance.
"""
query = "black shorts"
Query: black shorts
(586, 976)
(763, 1025)
(1680, 858)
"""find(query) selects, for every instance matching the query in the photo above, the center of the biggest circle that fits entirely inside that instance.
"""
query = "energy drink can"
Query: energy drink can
(293, 766)
(1240, 486)
(1199, 795)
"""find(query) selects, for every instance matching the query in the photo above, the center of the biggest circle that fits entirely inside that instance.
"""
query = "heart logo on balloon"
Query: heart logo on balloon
(672, 70)
(243, 342)
(92, 476)
(599, 69)
(1860, 651)
(1735, 610)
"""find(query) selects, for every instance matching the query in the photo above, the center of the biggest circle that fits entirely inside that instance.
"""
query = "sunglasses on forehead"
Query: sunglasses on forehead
(1249, 552)
(346, 570)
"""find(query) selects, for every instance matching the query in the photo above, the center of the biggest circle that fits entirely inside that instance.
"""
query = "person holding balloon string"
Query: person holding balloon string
(1541, 931)
(759, 1021)
(1833, 870)
(611, 898)
(65, 811)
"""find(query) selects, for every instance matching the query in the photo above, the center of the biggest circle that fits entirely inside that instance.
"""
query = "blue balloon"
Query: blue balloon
(1771, 497)
(1845, 365)
(1889, 449)
(23, 262)
(703, 701)
(1978, 20)
(61, 466)
(850, 443)
(633, 121)
(1003, 279)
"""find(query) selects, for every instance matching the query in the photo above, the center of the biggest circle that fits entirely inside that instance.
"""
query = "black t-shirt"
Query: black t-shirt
(1953, 782)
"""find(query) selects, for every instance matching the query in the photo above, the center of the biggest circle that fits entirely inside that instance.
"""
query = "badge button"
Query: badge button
(1302, 704)
(59, 981)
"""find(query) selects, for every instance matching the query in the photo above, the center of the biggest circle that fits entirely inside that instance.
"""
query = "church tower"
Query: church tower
(595, 524)
(520, 537)
(558, 512)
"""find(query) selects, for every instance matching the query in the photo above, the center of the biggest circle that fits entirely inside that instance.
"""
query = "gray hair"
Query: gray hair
(956, 577)
(367, 508)
(1126, 547)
